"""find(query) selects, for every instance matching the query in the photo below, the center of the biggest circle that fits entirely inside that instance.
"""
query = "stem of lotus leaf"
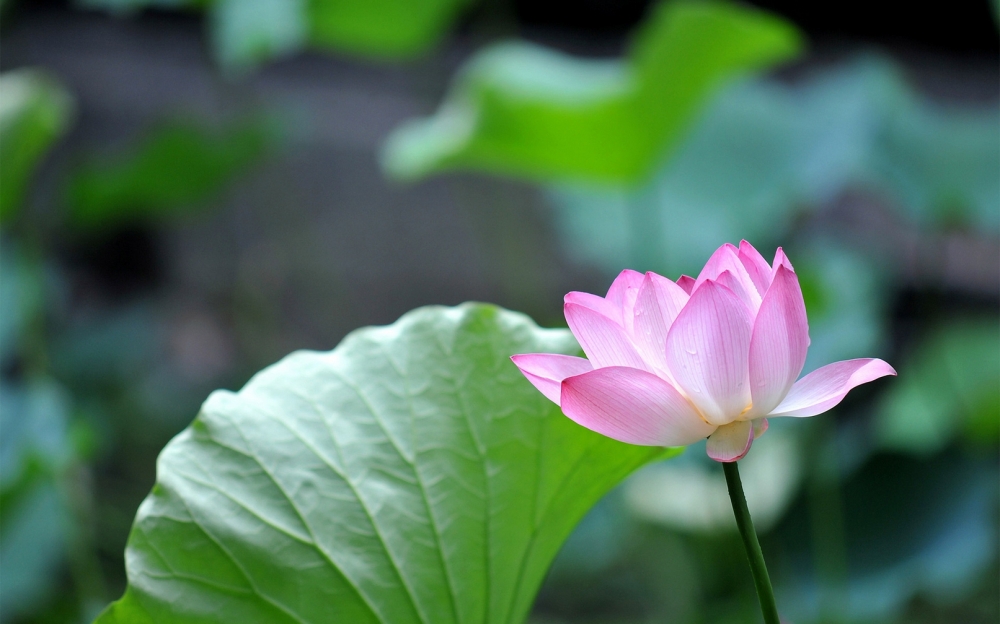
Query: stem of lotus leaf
(757, 567)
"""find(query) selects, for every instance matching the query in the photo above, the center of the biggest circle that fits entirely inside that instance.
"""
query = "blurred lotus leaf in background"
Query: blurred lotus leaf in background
(525, 110)
(910, 528)
(764, 152)
(410, 475)
(843, 291)
(690, 493)
(938, 162)
(381, 28)
(952, 389)
(35, 110)
(35, 440)
(36, 446)
(22, 295)
(245, 33)
(110, 350)
(35, 524)
(248, 32)
(172, 170)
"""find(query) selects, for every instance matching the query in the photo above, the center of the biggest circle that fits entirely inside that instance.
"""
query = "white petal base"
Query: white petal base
(731, 442)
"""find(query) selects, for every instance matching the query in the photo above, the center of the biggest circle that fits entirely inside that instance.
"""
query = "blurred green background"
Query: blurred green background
(191, 189)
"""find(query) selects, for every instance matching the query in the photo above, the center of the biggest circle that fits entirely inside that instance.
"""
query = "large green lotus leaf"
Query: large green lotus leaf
(950, 386)
(410, 475)
(175, 167)
(35, 110)
(525, 110)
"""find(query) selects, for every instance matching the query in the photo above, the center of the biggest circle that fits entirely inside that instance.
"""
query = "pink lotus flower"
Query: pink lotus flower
(671, 363)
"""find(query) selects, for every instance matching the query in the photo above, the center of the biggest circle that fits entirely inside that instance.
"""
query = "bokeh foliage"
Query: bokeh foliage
(176, 167)
(63, 385)
(245, 33)
(522, 109)
(35, 111)
(953, 391)
(764, 153)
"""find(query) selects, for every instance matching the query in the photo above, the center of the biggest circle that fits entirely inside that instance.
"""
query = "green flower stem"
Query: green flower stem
(757, 567)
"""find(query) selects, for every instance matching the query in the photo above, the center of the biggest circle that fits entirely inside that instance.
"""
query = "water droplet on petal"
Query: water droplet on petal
(691, 351)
